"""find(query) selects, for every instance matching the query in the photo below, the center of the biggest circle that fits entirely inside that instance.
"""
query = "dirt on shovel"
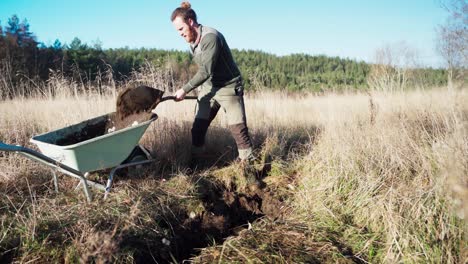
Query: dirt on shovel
(135, 104)
(137, 100)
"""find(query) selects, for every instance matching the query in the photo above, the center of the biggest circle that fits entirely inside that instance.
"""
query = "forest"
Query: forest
(25, 63)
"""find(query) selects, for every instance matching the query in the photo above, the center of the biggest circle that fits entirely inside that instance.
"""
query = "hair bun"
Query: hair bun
(185, 5)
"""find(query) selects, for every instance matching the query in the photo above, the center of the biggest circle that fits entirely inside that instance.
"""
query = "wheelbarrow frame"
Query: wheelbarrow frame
(72, 167)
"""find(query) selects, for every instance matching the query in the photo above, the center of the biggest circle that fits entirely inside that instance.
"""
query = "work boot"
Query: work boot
(246, 155)
(250, 174)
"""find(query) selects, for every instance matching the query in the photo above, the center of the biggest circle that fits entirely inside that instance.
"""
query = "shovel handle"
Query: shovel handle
(173, 98)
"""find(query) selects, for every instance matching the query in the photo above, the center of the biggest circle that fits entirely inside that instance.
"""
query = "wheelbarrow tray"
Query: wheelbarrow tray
(100, 152)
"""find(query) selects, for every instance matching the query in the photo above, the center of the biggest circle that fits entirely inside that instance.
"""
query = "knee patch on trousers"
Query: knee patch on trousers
(240, 132)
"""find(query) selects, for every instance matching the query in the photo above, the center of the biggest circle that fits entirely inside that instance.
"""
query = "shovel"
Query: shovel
(141, 99)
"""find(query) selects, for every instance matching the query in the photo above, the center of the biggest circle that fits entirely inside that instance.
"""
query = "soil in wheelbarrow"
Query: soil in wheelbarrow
(133, 106)
(110, 125)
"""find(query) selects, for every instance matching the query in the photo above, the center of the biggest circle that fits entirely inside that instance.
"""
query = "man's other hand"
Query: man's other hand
(179, 95)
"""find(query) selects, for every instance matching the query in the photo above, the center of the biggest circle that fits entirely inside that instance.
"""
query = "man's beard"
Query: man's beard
(192, 35)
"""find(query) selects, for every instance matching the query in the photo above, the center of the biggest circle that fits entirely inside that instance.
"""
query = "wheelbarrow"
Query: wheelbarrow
(97, 150)
(116, 150)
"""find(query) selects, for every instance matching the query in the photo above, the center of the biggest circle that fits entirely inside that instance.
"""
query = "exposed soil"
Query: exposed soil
(133, 104)
(88, 132)
(7, 249)
(110, 125)
(227, 213)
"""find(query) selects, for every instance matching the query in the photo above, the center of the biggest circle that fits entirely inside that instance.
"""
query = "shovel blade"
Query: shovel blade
(136, 100)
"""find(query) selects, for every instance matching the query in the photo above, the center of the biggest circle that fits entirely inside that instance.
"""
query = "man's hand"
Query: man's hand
(179, 95)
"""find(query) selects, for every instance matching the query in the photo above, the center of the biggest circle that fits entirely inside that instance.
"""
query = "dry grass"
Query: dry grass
(368, 177)
(278, 242)
(396, 187)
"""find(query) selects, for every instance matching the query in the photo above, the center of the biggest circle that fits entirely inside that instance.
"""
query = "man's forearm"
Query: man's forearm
(199, 78)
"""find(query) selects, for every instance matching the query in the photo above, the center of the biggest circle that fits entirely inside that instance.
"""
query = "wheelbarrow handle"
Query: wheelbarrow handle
(34, 155)
(30, 153)
(173, 98)
(7, 147)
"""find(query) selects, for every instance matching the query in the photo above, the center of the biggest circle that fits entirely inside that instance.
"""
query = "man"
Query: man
(219, 80)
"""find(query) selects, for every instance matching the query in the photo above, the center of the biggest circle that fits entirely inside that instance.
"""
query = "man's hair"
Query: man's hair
(185, 12)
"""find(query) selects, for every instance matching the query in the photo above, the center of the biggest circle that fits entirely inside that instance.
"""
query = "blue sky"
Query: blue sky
(352, 29)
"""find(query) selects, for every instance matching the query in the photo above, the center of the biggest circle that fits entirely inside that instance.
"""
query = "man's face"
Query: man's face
(185, 29)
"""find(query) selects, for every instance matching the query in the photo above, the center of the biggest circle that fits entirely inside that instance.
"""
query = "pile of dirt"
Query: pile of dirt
(88, 132)
(134, 104)
(226, 214)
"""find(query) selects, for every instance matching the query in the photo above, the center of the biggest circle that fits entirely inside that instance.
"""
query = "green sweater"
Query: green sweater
(216, 67)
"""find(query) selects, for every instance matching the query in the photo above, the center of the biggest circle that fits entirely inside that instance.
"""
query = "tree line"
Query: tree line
(25, 60)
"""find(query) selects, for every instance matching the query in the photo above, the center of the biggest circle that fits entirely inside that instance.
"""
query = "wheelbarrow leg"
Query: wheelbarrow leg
(52, 163)
(81, 182)
(86, 189)
(109, 183)
(114, 170)
(54, 174)
(84, 183)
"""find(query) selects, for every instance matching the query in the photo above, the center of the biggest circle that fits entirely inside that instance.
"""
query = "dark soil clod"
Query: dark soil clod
(133, 101)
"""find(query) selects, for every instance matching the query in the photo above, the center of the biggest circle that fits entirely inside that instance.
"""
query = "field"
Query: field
(351, 178)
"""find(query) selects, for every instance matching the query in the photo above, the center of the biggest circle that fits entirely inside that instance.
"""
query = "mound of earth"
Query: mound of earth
(227, 213)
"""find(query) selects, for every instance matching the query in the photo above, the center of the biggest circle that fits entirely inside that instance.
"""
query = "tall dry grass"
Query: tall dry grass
(385, 174)
(389, 173)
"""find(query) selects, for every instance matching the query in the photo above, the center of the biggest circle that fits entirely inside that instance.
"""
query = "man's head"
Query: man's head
(185, 22)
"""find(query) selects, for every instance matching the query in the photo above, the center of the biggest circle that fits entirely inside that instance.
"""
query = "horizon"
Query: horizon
(352, 30)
